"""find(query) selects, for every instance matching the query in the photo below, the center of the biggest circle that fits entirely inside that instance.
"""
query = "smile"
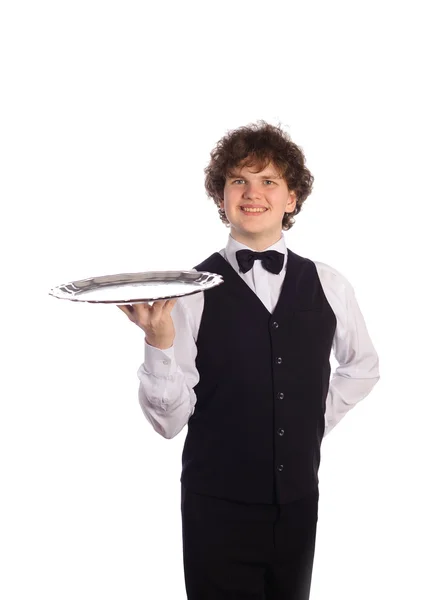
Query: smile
(253, 211)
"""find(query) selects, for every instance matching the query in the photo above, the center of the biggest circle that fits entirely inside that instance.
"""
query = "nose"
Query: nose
(252, 190)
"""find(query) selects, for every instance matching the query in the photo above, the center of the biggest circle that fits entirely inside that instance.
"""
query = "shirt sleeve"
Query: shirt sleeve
(167, 378)
(358, 363)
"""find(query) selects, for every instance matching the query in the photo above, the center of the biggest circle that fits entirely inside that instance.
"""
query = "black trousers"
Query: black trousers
(238, 551)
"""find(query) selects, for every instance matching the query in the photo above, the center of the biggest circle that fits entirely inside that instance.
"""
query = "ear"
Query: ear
(291, 204)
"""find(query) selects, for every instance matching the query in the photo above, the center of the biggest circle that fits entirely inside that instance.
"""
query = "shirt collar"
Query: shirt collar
(233, 246)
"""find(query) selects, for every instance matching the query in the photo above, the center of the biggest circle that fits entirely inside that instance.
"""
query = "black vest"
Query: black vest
(258, 424)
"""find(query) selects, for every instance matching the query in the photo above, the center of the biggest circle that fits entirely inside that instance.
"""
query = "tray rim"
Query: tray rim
(216, 279)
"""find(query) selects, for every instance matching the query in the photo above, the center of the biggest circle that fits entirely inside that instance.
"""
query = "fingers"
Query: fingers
(157, 305)
(169, 304)
(162, 304)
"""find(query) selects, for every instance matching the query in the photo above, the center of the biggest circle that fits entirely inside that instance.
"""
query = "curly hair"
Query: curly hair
(256, 145)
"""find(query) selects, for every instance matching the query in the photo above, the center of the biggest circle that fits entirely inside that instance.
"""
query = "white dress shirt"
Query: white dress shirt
(167, 377)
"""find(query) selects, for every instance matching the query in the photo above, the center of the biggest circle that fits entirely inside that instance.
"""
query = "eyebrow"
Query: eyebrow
(262, 177)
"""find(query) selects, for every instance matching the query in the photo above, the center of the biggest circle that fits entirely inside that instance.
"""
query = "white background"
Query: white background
(109, 112)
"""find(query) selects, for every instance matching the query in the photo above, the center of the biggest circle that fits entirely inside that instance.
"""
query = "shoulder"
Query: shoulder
(328, 274)
(338, 292)
(190, 309)
(331, 277)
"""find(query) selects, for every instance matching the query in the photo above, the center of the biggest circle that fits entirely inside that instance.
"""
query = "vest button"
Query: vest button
(278, 360)
(281, 395)
(275, 325)
(281, 432)
(280, 467)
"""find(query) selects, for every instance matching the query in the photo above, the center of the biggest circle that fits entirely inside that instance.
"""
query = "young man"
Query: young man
(246, 366)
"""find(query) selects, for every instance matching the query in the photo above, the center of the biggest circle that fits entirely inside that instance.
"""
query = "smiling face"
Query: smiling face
(266, 189)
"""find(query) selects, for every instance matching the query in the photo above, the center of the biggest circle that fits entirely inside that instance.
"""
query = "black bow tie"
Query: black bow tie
(271, 260)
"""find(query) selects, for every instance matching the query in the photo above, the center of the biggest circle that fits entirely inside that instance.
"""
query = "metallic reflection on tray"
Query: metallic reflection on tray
(135, 288)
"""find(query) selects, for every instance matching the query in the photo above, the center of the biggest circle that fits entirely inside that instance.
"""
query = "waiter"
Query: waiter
(246, 366)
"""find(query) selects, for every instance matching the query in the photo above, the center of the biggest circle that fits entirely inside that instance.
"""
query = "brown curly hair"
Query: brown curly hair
(257, 144)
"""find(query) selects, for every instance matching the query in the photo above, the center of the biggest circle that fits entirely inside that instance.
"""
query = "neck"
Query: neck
(256, 241)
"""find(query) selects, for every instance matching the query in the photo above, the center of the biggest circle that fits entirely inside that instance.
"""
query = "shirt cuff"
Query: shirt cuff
(160, 363)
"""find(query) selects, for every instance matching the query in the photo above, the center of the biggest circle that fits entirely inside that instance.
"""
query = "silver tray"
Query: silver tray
(136, 288)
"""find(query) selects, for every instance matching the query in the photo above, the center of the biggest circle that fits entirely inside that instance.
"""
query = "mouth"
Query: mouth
(253, 212)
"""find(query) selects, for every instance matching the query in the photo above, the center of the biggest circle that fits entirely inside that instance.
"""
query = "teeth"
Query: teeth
(254, 209)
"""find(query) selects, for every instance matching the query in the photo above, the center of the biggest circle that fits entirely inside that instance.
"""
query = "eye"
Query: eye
(236, 180)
